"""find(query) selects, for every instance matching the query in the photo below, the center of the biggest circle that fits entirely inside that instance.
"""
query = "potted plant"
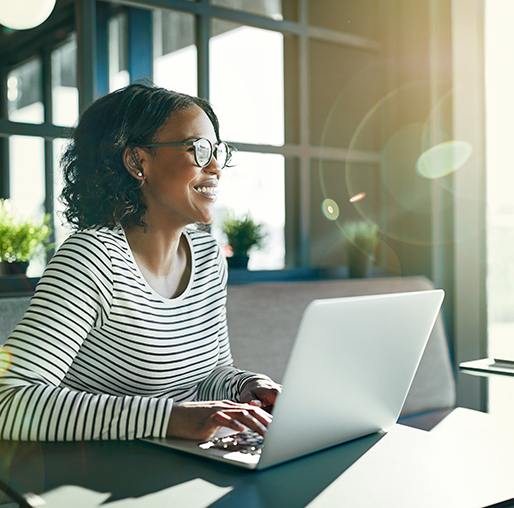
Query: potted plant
(243, 234)
(21, 239)
(361, 245)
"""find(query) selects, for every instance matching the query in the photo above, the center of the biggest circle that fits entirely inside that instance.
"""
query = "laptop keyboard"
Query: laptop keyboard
(247, 441)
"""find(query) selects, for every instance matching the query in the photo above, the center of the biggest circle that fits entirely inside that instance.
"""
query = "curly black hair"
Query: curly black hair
(98, 190)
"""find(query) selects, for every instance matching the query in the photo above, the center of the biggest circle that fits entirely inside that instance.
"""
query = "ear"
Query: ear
(133, 158)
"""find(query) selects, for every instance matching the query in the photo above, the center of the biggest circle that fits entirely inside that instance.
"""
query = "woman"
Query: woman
(126, 334)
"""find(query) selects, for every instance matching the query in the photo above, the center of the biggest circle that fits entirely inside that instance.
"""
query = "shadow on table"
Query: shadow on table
(135, 469)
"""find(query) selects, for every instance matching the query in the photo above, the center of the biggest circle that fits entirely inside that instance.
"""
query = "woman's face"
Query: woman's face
(175, 188)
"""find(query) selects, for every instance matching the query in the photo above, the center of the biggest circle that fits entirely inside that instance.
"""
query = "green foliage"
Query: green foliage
(243, 233)
(363, 235)
(21, 239)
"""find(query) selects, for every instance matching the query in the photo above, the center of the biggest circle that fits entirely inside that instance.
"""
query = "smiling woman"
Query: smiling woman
(126, 336)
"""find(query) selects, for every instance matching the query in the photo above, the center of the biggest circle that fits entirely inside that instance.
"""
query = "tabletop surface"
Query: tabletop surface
(403, 467)
(486, 367)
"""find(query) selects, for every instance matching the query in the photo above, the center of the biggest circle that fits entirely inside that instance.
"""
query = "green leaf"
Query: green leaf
(243, 233)
(21, 239)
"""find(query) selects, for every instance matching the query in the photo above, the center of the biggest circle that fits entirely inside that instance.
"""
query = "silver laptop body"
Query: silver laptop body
(348, 375)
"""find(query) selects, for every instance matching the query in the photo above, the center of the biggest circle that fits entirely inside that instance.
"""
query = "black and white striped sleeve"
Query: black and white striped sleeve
(73, 296)
(225, 381)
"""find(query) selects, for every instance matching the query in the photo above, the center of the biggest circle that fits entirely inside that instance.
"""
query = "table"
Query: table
(404, 467)
(486, 367)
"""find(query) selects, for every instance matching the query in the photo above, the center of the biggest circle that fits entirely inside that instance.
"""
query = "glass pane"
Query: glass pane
(25, 94)
(65, 94)
(275, 9)
(256, 186)
(330, 208)
(175, 55)
(27, 182)
(247, 82)
(343, 90)
(27, 174)
(61, 228)
(118, 52)
(358, 18)
(499, 81)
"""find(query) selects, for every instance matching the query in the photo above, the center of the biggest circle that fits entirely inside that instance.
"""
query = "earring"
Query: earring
(140, 174)
(142, 181)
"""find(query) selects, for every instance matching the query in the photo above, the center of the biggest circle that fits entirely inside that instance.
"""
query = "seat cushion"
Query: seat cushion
(263, 320)
(11, 312)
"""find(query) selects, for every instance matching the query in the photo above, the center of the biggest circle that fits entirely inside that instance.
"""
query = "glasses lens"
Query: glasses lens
(221, 154)
(203, 152)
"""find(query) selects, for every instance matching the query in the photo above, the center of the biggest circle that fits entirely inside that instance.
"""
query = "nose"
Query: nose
(213, 167)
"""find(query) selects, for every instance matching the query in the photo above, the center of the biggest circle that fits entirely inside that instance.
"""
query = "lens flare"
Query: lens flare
(330, 209)
(382, 155)
(443, 159)
(357, 197)
(5, 360)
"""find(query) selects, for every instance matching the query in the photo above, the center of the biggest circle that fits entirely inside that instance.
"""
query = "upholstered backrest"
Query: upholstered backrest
(11, 312)
(263, 320)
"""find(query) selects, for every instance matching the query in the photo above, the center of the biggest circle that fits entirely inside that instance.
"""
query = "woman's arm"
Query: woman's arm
(73, 296)
(226, 381)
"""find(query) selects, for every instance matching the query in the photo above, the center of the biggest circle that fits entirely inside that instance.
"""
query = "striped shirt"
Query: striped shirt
(100, 355)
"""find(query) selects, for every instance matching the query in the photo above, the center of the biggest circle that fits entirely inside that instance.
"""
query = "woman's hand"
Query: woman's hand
(201, 420)
(260, 392)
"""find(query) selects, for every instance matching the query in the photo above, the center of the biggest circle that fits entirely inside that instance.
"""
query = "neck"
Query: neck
(163, 258)
(158, 250)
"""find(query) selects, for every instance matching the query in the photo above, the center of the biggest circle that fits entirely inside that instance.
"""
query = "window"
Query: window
(255, 185)
(500, 201)
(247, 82)
(174, 49)
(118, 52)
(269, 8)
(41, 97)
(65, 94)
(27, 181)
(61, 227)
(25, 93)
(273, 70)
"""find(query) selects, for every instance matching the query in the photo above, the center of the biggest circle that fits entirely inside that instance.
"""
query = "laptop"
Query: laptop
(348, 375)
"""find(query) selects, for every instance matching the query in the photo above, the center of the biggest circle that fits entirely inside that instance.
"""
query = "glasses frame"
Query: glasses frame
(214, 147)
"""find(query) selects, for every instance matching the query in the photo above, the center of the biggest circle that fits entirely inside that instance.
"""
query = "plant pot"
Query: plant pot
(16, 268)
(359, 263)
(238, 261)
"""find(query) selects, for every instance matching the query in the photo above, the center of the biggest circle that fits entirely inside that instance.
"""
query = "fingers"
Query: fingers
(267, 396)
(268, 408)
(221, 419)
(235, 415)
(263, 390)
(201, 420)
(243, 419)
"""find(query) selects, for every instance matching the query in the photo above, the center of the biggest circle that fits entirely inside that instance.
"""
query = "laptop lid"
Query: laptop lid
(350, 370)
(348, 375)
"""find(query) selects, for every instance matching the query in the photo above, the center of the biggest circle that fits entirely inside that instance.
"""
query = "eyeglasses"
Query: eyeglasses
(204, 150)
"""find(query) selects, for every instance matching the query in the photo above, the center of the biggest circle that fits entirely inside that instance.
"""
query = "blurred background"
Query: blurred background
(393, 112)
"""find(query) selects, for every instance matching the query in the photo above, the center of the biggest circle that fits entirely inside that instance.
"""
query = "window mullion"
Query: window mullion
(304, 203)
(85, 17)
(4, 144)
(203, 34)
(48, 147)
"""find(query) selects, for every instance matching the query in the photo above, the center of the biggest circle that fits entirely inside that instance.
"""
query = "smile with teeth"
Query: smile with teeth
(210, 191)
